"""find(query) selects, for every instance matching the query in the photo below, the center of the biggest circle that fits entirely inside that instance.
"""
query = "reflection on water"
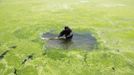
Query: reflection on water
(79, 41)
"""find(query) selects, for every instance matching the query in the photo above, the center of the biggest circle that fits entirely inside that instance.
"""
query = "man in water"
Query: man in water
(67, 33)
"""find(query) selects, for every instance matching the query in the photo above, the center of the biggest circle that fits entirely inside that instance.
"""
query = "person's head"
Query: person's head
(66, 27)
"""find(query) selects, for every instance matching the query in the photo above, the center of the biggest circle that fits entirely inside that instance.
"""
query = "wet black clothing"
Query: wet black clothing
(67, 33)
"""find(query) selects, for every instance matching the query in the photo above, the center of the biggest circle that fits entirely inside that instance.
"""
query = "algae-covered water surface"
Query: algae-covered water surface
(102, 43)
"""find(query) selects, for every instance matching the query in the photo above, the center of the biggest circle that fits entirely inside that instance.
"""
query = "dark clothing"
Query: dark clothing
(67, 33)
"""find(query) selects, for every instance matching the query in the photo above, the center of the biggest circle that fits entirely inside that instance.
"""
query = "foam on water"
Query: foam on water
(83, 1)
(112, 5)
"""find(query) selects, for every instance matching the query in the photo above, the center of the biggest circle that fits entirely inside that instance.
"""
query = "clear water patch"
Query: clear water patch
(79, 41)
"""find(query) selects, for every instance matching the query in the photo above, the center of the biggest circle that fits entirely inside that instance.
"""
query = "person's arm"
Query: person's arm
(61, 33)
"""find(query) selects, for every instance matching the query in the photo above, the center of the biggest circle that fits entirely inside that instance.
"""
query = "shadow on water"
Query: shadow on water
(79, 41)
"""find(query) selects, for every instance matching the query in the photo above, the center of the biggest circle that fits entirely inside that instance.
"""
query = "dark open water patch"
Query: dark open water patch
(3, 54)
(27, 58)
(79, 41)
